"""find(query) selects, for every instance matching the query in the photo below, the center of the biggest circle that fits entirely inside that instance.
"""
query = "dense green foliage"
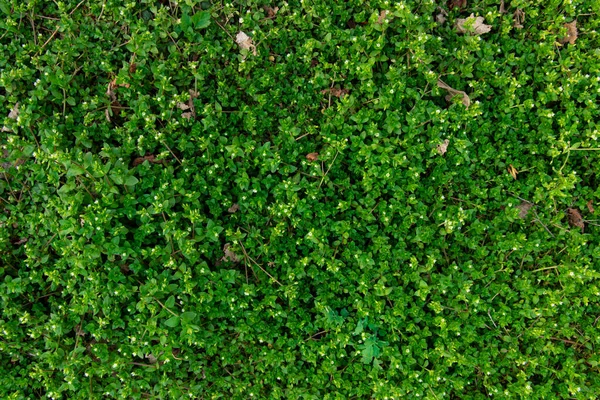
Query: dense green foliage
(386, 266)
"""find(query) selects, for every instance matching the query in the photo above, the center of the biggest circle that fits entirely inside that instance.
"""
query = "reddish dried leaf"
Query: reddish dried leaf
(150, 158)
(590, 206)
(571, 33)
(312, 157)
(524, 208)
(132, 68)
(457, 4)
(271, 12)
(575, 218)
(335, 92)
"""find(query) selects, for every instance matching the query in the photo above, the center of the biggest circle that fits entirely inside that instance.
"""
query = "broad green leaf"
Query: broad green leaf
(172, 322)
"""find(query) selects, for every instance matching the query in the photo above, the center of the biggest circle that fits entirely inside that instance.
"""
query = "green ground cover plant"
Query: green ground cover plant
(309, 199)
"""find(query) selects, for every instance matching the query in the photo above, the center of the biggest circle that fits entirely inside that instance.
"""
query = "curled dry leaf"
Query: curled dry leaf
(233, 208)
(13, 114)
(571, 33)
(150, 158)
(245, 42)
(453, 92)
(519, 18)
(512, 171)
(441, 15)
(312, 157)
(502, 10)
(590, 206)
(183, 106)
(382, 15)
(457, 4)
(335, 92)
(524, 208)
(479, 27)
(443, 147)
(229, 255)
(271, 12)
(575, 218)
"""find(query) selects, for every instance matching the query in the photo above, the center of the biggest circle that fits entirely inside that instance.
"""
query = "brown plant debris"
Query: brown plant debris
(443, 147)
(479, 27)
(13, 114)
(245, 42)
(440, 17)
(590, 206)
(571, 33)
(519, 18)
(512, 171)
(234, 208)
(524, 208)
(382, 15)
(575, 218)
(457, 4)
(453, 92)
(150, 158)
(501, 9)
(229, 255)
(312, 157)
(271, 11)
(335, 92)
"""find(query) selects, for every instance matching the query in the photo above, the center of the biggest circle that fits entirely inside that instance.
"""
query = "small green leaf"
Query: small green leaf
(201, 19)
(75, 170)
(170, 302)
(131, 180)
(172, 322)
(188, 317)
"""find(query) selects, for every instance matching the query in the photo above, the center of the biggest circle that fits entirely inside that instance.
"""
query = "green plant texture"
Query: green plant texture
(311, 199)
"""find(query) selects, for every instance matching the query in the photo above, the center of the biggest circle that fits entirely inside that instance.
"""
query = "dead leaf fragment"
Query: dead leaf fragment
(453, 92)
(271, 12)
(524, 208)
(519, 18)
(13, 114)
(229, 255)
(233, 208)
(590, 206)
(443, 147)
(187, 115)
(502, 10)
(575, 218)
(512, 171)
(183, 106)
(151, 359)
(245, 42)
(382, 15)
(335, 92)
(457, 4)
(441, 15)
(478, 27)
(571, 33)
(312, 157)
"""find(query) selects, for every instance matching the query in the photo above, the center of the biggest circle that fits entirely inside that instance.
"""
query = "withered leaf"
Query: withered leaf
(13, 114)
(575, 218)
(519, 18)
(457, 4)
(335, 92)
(443, 147)
(245, 42)
(271, 12)
(590, 206)
(502, 10)
(441, 15)
(512, 171)
(233, 208)
(478, 27)
(312, 157)
(150, 158)
(571, 33)
(151, 359)
(382, 15)
(132, 68)
(229, 255)
(187, 115)
(453, 92)
(183, 106)
(524, 208)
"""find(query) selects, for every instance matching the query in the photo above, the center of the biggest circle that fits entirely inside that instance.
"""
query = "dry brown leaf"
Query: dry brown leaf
(312, 157)
(151, 359)
(512, 171)
(571, 33)
(382, 15)
(229, 255)
(502, 10)
(194, 94)
(479, 27)
(453, 92)
(335, 92)
(13, 114)
(457, 4)
(271, 12)
(524, 208)
(245, 42)
(233, 208)
(519, 18)
(443, 147)
(575, 218)
(590, 206)
(187, 115)
(150, 158)
(183, 106)
(441, 16)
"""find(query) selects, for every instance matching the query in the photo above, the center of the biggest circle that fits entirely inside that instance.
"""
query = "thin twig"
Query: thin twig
(258, 265)
(328, 169)
(165, 307)
(167, 146)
